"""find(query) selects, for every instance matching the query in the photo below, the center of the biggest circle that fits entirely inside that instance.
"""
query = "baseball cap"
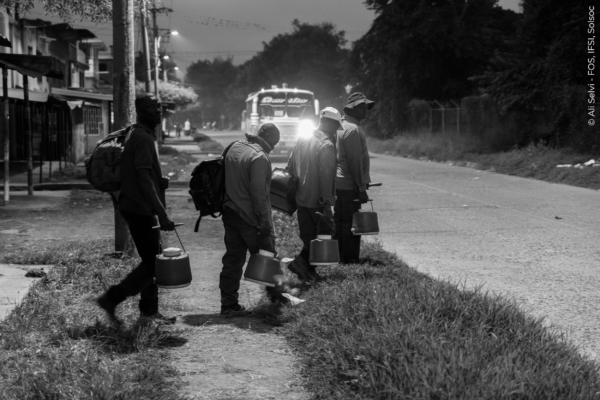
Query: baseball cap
(331, 113)
(356, 98)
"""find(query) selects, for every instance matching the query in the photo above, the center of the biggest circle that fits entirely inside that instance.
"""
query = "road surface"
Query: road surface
(532, 241)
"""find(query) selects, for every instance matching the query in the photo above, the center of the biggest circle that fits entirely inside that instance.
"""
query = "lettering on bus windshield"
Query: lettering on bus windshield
(271, 100)
(281, 100)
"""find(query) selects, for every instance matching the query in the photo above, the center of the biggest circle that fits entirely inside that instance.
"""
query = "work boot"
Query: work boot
(300, 267)
(234, 310)
(161, 319)
(104, 303)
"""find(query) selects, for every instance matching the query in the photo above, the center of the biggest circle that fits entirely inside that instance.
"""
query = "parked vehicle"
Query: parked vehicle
(294, 111)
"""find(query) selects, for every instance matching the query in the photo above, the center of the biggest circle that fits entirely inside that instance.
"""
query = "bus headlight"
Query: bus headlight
(306, 128)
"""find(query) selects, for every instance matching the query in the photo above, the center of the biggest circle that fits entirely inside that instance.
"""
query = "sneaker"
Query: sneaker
(104, 303)
(300, 267)
(234, 310)
(161, 319)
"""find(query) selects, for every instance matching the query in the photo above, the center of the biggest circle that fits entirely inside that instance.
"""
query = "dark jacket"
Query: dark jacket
(140, 151)
(313, 162)
(353, 156)
(248, 180)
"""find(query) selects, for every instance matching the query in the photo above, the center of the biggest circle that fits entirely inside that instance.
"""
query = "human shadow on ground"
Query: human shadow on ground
(250, 322)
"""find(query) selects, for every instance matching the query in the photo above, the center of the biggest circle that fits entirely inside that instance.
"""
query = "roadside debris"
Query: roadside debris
(590, 163)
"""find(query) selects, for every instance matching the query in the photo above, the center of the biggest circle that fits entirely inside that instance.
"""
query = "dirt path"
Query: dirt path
(235, 358)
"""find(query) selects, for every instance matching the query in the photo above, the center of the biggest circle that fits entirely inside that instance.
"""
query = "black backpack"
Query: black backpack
(207, 187)
(103, 166)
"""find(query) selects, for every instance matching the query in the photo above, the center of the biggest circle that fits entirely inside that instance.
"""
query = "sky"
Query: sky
(238, 28)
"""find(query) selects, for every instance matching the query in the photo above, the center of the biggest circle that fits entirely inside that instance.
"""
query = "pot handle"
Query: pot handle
(371, 200)
(177, 224)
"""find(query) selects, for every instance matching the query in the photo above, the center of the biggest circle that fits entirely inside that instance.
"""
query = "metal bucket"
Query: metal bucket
(172, 268)
(173, 272)
(324, 251)
(263, 268)
(365, 223)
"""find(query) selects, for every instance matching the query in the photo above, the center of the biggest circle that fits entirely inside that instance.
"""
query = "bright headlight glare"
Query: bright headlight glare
(306, 128)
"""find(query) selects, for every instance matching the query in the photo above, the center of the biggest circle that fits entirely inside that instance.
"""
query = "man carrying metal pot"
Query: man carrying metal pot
(352, 175)
(141, 200)
(247, 209)
(313, 162)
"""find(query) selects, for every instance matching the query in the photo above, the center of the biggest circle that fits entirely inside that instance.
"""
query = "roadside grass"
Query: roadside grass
(382, 330)
(205, 143)
(57, 344)
(533, 161)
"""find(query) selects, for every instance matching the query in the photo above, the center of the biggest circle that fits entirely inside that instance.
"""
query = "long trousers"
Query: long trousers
(310, 226)
(141, 279)
(240, 237)
(344, 209)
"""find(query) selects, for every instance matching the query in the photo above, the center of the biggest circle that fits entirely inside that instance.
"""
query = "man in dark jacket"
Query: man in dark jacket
(352, 174)
(141, 199)
(247, 209)
(313, 162)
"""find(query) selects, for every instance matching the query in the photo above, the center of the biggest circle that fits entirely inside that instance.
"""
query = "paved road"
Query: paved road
(533, 241)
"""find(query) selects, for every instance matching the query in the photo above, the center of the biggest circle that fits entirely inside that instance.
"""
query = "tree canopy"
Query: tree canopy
(94, 10)
(311, 57)
(426, 50)
(212, 81)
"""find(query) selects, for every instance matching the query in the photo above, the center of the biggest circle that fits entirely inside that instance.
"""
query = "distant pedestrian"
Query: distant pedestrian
(178, 130)
(352, 174)
(187, 126)
(313, 162)
(141, 199)
(247, 209)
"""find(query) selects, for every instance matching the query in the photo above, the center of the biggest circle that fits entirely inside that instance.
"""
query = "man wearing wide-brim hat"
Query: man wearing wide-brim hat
(352, 174)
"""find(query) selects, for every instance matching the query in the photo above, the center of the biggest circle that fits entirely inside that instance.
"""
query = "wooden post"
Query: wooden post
(123, 95)
(6, 134)
(28, 136)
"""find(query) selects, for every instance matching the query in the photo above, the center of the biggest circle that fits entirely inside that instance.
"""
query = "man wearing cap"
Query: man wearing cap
(247, 209)
(313, 162)
(352, 174)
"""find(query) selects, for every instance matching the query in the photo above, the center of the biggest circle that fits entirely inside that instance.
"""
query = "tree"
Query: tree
(311, 57)
(544, 70)
(425, 50)
(95, 10)
(212, 81)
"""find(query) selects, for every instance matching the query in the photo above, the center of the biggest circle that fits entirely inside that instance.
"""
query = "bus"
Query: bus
(294, 111)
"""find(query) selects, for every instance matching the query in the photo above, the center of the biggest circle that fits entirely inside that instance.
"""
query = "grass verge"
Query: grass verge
(533, 161)
(383, 330)
(57, 344)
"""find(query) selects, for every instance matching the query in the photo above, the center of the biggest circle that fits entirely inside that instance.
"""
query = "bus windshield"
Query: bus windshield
(282, 104)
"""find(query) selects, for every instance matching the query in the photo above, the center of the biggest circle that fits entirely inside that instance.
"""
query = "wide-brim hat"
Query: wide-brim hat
(357, 98)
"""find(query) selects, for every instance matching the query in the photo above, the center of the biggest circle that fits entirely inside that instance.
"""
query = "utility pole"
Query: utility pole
(123, 96)
(154, 10)
(146, 48)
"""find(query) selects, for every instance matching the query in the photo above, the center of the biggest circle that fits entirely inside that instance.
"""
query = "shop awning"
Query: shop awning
(4, 42)
(30, 65)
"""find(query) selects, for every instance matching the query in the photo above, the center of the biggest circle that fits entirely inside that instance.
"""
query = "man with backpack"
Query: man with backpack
(246, 209)
(141, 200)
(313, 162)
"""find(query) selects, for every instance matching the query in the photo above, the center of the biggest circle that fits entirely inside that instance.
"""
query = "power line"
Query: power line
(226, 23)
